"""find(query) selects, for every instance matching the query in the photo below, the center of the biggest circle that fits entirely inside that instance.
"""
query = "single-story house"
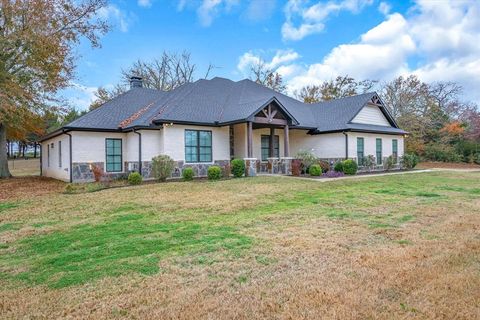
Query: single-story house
(210, 122)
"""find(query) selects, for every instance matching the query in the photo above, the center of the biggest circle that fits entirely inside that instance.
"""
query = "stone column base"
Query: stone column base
(250, 167)
(274, 165)
(286, 165)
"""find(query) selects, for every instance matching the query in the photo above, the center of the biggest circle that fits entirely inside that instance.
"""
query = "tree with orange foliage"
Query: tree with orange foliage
(37, 38)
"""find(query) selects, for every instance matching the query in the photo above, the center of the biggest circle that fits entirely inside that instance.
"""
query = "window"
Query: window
(360, 150)
(48, 155)
(113, 148)
(395, 149)
(379, 151)
(266, 147)
(198, 146)
(60, 154)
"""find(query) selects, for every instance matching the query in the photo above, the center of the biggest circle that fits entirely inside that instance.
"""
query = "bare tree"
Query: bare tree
(309, 94)
(340, 87)
(166, 73)
(262, 74)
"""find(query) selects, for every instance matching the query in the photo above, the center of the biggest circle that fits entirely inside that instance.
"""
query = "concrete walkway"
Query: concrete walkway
(370, 175)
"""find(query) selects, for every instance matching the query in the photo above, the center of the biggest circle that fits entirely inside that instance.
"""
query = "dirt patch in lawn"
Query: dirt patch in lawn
(27, 187)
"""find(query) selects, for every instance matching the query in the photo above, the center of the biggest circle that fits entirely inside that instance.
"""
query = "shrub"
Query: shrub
(135, 178)
(324, 165)
(389, 163)
(296, 167)
(338, 166)
(187, 174)
(369, 162)
(162, 167)
(238, 167)
(93, 187)
(69, 188)
(333, 174)
(214, 173)
(477, 158)
(307, 158)
(315, 170)
(350, 167)
(97, 173)
(409, 161)
(442, 152)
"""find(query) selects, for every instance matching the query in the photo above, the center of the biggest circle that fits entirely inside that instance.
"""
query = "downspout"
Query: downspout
(346, 144)
(139, 151)
(70, 154)
(41, 160)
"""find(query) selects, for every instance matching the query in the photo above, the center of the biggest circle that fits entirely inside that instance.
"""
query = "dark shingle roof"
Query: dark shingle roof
(220, 101)
(111, 114)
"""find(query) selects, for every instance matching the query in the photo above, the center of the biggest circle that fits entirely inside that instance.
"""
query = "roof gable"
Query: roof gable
(371, 114)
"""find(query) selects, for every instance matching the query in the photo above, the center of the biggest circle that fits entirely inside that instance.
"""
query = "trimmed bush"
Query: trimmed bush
(162, 167)
(238, 167)
(389, 163)
(307, 158)
(409, 161)
(135, 178)
(369, 162)
(350, 167)
(187, 174)
(324, 165)
(315, 170)
(214, 173)
(338, 166)
(69, 188)
(296, 167)
(97, 173)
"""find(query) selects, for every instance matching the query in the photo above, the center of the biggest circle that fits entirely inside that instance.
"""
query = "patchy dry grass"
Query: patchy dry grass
(22, 167)
(403, 246)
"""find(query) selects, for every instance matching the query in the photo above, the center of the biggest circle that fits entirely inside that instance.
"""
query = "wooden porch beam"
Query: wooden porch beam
(271, 152)
(286, 139)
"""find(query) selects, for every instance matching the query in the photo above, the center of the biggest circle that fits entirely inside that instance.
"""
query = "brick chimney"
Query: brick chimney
(136, 82)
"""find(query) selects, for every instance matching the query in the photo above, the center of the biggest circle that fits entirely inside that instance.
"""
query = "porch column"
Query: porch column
(250, 139)
(271, 152)
(286, 141)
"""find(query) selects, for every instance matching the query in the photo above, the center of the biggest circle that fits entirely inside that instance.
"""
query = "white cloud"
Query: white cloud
(79, 96)
(260, 10)
(384, 8)
(281, 62)
(311, 18)
(118, 17)
(208, 10)
(381, 53)
(441, 41)
(145, 3)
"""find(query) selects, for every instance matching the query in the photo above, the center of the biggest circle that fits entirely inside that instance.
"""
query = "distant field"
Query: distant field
(20, 167)
(391, 247)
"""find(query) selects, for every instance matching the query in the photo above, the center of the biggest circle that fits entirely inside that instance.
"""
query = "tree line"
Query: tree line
(441, 125)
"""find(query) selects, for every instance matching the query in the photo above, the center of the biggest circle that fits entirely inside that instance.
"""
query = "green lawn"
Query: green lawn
(241, 235)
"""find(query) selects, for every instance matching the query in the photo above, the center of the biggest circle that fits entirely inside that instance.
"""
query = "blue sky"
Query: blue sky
(306, 41)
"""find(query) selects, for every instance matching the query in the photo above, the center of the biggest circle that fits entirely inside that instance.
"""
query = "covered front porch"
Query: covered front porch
(264, 141)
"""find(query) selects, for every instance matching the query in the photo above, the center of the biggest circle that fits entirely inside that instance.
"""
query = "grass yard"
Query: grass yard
(22, 167)
(402, 246)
